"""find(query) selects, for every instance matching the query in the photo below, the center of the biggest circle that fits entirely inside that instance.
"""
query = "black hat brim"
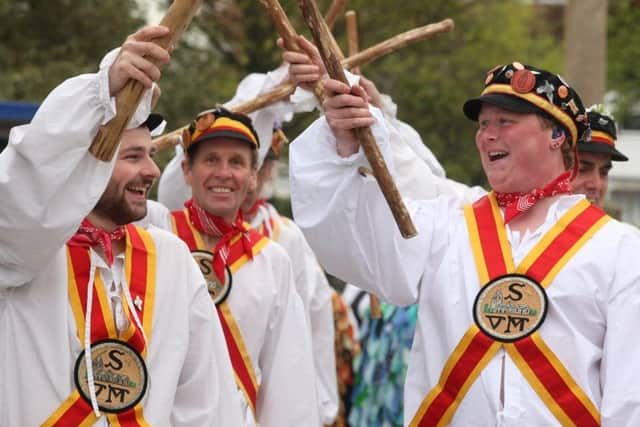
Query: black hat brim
(223, 134)
(597, 147)
(153, 121)
(472, 107)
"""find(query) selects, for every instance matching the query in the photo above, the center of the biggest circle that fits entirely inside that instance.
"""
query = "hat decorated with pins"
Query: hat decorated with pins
(603, 134)
(219, 123)
(153, 121)
(526, 89)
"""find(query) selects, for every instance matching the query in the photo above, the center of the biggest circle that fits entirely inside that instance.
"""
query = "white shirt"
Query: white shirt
(48, 184)
(594, 299)
(314, 289)
(272, 322)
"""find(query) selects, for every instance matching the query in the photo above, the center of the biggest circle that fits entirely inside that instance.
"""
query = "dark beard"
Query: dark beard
(112, 205)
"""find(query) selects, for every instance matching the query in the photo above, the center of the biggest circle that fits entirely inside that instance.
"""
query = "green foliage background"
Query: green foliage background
(44, 42)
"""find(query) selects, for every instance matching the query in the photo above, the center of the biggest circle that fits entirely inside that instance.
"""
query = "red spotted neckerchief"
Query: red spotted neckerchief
(90, 235)
(516, 203)
(217, 227)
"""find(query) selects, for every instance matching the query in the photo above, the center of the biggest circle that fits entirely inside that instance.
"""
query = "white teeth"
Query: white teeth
(220, 190)
(495, 155)
(140, 190)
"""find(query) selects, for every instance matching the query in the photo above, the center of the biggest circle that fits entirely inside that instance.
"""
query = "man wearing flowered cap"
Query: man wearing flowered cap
(595, 156)
(526, 298)
(249, 276)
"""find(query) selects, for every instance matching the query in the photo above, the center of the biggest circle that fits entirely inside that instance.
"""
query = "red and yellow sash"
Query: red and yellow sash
(540, 366)
(242, 366)
(269, 227)
(140, 270)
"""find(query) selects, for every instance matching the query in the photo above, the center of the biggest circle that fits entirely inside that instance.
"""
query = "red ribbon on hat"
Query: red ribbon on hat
(516, 203)
(217, 227)
(88, 235)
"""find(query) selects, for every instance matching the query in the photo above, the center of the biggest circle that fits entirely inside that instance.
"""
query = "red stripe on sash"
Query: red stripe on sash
(243, 375)
(491, 248)
(183, 230)
(75, 410)
(460, 373)
(563, 396)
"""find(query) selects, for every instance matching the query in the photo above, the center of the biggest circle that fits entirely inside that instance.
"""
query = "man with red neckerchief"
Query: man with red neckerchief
(250, 277)
(527, 298)
(115, 327)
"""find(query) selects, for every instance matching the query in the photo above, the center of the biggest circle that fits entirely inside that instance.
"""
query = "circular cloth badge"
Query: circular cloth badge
(119, 375)
(218, 291)
(510, 307)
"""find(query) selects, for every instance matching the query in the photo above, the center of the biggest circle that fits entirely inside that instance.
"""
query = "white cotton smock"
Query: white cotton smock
(48, 183)
(315, 291)
(594, 300)
(271, 319)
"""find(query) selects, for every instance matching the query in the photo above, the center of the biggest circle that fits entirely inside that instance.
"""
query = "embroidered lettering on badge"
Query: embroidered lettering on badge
(218, 291)
(119, 376)
(510, 307)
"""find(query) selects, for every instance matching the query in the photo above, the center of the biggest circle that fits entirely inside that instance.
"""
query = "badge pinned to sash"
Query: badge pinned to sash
(119, 374)
(510, 307)
(218, 291)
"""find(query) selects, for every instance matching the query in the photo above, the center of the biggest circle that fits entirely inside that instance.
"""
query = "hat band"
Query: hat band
(539, 102)
(602, 137)
(223, 124)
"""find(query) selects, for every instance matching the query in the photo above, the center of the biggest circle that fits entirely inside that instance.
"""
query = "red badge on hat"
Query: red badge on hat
(523, 81)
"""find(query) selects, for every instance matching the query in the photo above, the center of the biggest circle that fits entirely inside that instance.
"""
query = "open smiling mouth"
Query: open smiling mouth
(139, 190)
(497, 155)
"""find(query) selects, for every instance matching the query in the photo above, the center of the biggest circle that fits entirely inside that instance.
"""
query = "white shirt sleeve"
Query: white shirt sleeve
(48, 180)
(206, 381)
(620, 367)
(287, 394)
(347, 221)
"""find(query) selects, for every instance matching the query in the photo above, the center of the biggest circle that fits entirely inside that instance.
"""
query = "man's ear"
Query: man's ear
(186, 171)
(253, 180)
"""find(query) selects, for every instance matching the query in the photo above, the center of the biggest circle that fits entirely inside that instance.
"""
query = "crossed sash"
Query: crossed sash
(537, 362)
(240, 360)
(140, 270)
(269, 226)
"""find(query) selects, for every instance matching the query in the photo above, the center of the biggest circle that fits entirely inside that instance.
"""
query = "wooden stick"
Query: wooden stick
(320, 34)
(286, 31)
(334, 11)
(107, 139)
(401, 40)
(352, 43)
(352, 36)
(372, 53)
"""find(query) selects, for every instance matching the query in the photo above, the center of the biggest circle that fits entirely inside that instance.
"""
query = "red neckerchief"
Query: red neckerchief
(516, 203)
(90, 235)
(217, 227)
(253, 210)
